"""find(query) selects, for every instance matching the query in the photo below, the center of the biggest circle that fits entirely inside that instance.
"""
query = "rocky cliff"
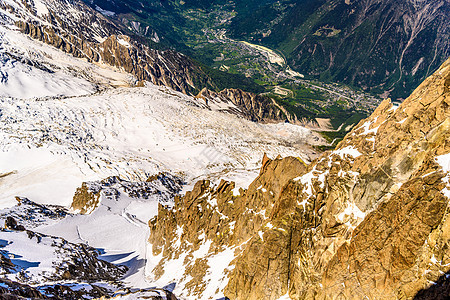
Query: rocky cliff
(369, 219)
(75, 28)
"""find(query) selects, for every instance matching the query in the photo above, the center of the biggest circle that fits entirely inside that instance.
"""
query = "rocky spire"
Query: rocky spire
(369, 219)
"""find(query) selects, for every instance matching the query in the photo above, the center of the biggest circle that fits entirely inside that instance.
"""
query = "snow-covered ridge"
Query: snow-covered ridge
(444, 162)
(134, 133)
(65, 15)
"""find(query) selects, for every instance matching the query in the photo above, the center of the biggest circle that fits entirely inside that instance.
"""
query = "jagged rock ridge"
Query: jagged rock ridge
(66, 270)
(368, 219)
(248, 105)
(161, 187)
(81, 31)
(254, 107)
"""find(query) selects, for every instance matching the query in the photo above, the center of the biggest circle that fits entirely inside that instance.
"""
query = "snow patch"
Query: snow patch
(123, 42)
(394, 107)
(41, 8)
(349, 150)
(433, 259)
(178, 232)
(219, 265)
(202, 250)
(402, 121)
(285, 297)
(231, 225)
(212, 201)
(444, 162)
(104, 11)
(306, 180)
(260, 233)
(174, 272)
(352, 210)
(367, 125)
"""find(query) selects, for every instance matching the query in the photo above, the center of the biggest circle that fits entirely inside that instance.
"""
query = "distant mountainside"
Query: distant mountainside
(379, 45)
(383, 46)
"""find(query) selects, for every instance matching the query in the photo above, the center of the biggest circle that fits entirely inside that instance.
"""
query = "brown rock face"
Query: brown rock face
(400, 247)
(85, 199)
(11, 223)
(367, 220)
(219, 215)
(166, 68)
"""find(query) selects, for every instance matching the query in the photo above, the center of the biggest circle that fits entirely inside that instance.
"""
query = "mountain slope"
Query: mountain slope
(75, 28)
(380, 45)
(90, 108)
(368, 219)
(384, 46)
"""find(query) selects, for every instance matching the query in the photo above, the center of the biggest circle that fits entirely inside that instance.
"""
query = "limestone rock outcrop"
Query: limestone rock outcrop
(86, 198)
(368, 219)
